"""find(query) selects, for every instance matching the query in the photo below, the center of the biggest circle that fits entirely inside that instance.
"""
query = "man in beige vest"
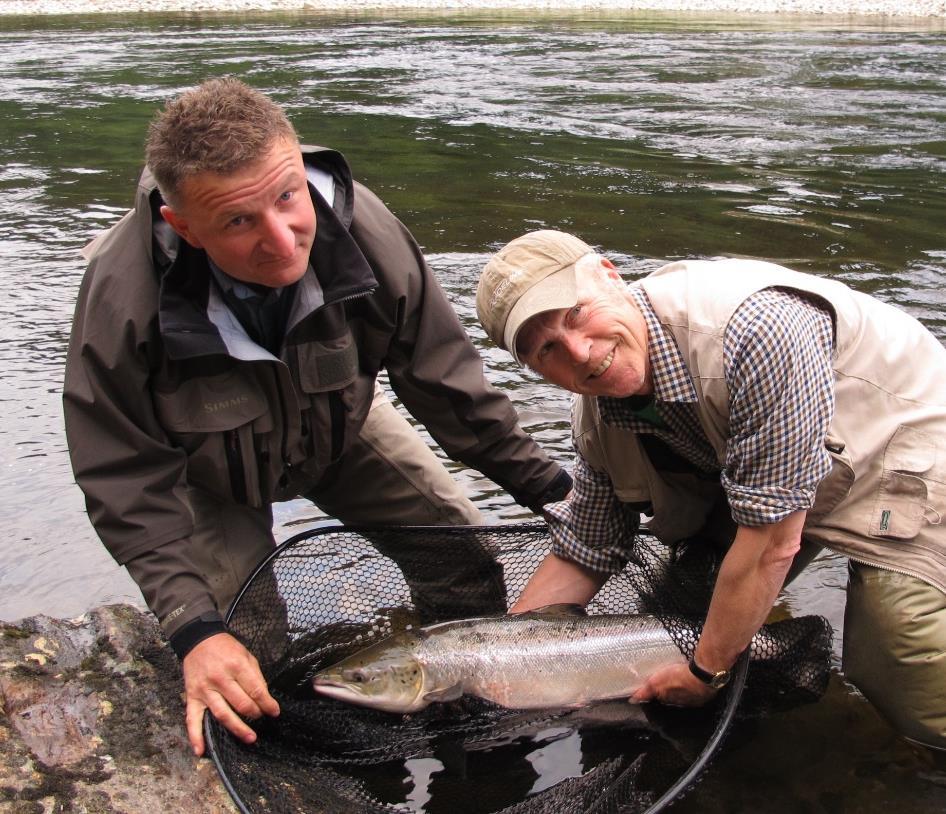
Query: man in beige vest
(812, 414)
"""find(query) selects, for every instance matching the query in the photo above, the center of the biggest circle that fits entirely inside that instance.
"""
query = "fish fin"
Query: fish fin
(561, 609)
(451, 693)
(613, 712)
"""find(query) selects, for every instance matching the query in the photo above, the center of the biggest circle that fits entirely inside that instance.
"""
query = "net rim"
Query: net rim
(678, 789)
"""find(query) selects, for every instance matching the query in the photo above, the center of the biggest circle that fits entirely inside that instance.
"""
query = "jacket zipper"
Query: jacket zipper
(337, 418)
(336, 407)
(235, 465)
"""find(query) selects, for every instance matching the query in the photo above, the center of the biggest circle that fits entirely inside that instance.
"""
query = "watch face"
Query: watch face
(720, 679)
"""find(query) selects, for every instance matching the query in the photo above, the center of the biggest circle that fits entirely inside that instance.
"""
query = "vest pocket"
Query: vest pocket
(836, 485)
(900, 509)
(214, 420)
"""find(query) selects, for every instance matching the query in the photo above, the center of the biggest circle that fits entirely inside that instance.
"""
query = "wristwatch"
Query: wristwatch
(717, 680)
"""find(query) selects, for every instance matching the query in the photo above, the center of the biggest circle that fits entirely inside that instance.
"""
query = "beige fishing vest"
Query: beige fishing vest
(884, 499)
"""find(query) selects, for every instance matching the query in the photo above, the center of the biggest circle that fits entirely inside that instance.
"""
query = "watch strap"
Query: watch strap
(717, 680)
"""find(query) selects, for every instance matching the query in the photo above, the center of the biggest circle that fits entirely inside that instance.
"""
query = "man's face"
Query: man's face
(257, 224)
(596, 348)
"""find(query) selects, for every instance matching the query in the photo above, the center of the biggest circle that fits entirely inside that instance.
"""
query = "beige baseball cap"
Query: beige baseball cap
(530, 275)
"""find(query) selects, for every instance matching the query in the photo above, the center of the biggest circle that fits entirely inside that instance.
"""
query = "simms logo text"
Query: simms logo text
(217, 406)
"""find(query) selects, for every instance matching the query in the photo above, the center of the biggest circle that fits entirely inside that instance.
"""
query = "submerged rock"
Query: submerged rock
(93, 720)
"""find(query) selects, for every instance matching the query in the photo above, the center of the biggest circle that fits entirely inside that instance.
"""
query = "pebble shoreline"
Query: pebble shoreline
(871, 8)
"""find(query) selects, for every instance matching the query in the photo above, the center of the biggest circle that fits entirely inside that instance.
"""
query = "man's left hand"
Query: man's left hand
(221, 675)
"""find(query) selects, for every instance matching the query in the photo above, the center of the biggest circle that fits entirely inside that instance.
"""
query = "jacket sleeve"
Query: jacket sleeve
(177, 595)
(438, 374)
(132, 477)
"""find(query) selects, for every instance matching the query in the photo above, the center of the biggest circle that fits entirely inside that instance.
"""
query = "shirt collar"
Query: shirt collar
(235, 287)
(672, 380)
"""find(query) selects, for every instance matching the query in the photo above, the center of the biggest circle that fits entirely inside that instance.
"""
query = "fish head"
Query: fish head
(385, 676)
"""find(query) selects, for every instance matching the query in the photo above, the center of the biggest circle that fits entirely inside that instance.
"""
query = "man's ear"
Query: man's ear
(179, 224)
(611, 270)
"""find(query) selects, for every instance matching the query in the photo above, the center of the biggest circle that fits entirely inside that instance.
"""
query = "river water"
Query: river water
(819, 143)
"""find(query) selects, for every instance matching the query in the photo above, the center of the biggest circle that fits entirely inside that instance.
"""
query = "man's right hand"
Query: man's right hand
(221, 675)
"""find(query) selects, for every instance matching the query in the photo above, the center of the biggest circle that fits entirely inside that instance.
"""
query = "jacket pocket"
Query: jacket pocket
(327, 365)
(903, 497)
(206, 404)
(213, 419)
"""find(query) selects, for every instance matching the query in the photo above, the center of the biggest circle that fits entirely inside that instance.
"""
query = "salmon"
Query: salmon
(552, 657)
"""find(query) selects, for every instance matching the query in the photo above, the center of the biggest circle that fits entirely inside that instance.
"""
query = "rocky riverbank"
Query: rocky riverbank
(93, 720)
(890, 8)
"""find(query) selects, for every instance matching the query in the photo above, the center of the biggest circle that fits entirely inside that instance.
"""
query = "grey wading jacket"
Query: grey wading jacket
(164, 391)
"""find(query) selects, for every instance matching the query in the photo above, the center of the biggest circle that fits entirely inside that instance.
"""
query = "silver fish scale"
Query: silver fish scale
(536, 661)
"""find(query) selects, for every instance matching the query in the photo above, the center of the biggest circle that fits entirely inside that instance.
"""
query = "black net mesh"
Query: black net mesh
(331, 591)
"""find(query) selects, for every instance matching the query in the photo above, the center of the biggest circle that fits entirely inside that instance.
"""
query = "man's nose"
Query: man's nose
(576, 346)
(277, 238)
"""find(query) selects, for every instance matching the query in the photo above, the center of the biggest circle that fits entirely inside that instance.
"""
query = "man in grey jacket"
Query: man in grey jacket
(227, 340)
(768, 411)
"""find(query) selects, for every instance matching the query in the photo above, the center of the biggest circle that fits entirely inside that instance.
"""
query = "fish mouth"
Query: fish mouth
(332, 688)
(332, 685)
(340, 690)
(605, 364)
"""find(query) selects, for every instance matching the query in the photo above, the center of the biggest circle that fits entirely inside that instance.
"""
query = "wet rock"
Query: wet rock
(93, 720)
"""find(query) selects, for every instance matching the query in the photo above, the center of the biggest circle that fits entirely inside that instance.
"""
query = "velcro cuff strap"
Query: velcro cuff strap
(193, 633)
(554, 492)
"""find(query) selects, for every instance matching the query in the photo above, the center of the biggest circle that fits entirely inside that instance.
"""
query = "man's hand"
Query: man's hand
(558, 581)
(221, 675)
(748, 583)
(675, 685)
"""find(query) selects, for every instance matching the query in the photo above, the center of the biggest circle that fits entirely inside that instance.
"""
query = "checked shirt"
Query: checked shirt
(777, 352)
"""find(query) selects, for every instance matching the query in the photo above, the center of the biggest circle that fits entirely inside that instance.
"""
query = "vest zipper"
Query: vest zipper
(885, 567)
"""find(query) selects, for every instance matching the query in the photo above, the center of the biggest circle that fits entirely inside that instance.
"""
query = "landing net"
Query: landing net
(331, 590)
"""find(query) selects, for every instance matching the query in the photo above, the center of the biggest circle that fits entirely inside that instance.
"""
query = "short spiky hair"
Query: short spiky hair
(219, 126)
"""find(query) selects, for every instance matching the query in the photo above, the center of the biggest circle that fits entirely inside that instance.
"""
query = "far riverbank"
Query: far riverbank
(835, 8)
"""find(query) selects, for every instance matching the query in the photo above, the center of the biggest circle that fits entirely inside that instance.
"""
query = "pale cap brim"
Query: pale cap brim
(558, 290)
